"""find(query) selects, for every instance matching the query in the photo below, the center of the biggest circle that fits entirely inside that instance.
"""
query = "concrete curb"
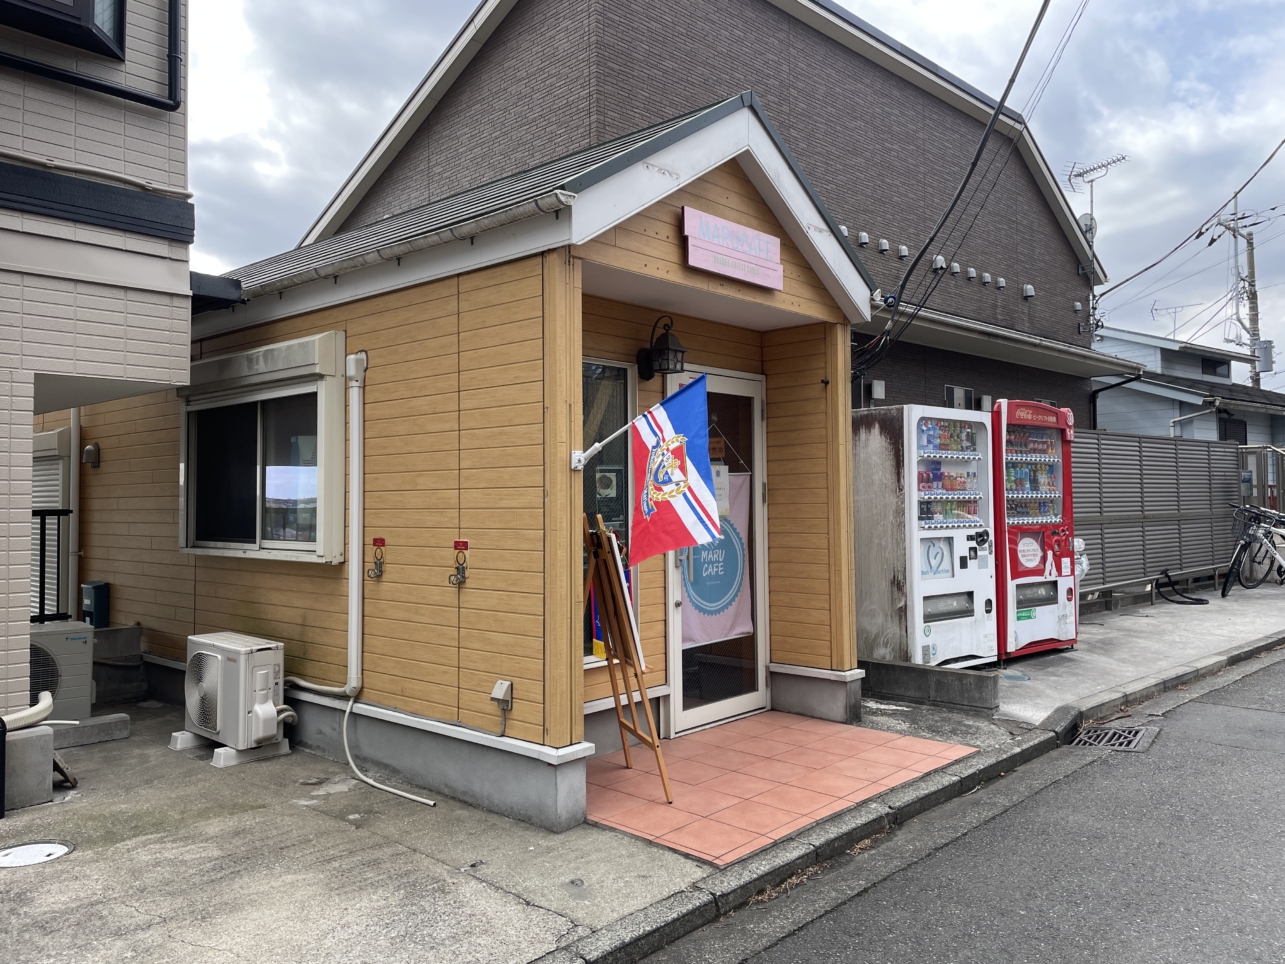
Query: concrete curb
(1065, 721)
(645, 931)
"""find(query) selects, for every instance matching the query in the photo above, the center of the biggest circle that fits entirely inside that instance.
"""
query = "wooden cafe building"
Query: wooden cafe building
(574, 186)
(492, 336)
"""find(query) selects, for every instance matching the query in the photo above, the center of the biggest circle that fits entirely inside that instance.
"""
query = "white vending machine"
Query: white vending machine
(924, 520)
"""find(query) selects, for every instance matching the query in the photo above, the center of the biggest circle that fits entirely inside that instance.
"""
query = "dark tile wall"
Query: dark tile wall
(559, 75)
(918, 375)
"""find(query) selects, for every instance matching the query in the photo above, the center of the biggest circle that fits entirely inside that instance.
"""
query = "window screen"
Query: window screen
(225, 445)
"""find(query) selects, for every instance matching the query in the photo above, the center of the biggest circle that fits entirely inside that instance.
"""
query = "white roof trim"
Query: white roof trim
(1173, 344)
(598, 208)
(1163, 391)
(488, 15)
(740, 136)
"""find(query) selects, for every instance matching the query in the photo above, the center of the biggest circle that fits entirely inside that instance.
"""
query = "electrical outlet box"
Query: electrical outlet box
(502, 694)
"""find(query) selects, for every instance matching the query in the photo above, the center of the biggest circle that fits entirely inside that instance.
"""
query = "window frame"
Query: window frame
(631, 409)
(326, 382)
(71, 23)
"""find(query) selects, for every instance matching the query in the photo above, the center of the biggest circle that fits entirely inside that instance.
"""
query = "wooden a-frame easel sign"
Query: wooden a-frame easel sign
(620, 639)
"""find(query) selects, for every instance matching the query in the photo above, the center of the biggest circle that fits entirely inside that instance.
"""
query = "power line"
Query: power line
(872, 352)
(1205, 225)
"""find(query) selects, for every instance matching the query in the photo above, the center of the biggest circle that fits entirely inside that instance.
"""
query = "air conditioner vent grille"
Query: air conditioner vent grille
(45, 674)
(202, 690)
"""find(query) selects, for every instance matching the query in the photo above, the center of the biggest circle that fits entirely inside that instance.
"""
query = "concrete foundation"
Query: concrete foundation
(603, 732)
(164, 679)
(975, 691)
(29, 767)
(824, 694)
(543, 786)
(96, 729)
(119, 673)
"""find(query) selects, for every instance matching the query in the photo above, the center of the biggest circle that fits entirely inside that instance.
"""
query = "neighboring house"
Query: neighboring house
(490, 273)
(95, 226)
(1186, 390)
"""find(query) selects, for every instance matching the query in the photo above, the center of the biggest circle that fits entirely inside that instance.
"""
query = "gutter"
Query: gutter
(545, 204)
(175, 56)
(1093, 397)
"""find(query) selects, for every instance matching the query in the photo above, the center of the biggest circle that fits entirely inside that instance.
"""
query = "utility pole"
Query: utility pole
(1250, 281)
(1251, 286)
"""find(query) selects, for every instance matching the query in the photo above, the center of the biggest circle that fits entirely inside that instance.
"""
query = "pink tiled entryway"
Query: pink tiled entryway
(742, 785)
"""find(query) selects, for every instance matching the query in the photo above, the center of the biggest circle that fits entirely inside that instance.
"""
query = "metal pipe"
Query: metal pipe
(1093, 398)
(174, 56)
(1173, 422)
(73, 534)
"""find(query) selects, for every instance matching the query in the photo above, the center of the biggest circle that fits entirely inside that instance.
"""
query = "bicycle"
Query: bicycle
(1256, 532)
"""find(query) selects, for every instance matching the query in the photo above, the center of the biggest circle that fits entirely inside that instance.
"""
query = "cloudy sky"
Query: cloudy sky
(285, 99)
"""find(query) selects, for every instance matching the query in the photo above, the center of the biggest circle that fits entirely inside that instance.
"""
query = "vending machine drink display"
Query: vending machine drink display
(1034, 527)
(924, 508)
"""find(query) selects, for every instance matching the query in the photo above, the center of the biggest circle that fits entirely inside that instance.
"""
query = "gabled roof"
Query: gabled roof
(1230, 393)
(546, 188)
(825, 16)
(1173, 344)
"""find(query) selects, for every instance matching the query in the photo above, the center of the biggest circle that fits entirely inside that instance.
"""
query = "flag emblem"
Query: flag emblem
(674, 502)
(666, 473)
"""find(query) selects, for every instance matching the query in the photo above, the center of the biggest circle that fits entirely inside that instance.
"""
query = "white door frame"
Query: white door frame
(677, 719)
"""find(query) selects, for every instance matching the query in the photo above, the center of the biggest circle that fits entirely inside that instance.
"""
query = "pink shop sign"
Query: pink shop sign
(733, 250)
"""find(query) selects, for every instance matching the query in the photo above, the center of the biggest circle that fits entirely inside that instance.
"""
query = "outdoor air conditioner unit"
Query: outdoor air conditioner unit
(231, 695)
(62, 663)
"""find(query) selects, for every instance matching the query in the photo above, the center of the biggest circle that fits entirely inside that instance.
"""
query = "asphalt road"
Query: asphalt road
(1174, 854)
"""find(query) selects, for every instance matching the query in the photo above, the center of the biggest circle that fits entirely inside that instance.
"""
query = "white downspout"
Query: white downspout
(355, 372)
(73, 534)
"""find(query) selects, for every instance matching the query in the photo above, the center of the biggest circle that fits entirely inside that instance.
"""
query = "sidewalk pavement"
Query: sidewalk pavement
(293, 859)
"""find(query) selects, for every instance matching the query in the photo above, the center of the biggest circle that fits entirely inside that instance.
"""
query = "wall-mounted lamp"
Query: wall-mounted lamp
(863, 239)
(90, 455)
(665, 354)
(1028, 292)
(939, 263)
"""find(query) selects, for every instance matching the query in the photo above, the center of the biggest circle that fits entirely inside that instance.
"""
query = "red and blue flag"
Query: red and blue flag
(674, 505)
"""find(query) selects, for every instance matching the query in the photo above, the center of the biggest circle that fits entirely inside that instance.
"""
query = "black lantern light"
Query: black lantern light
(665, 354)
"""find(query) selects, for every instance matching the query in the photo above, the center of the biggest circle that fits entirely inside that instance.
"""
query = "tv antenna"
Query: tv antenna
(1173, 312)
(1090, 174)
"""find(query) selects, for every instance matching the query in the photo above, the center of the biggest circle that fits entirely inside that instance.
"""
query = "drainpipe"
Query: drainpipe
(73, 534)
(1173, 422)
(355, 372)
(175, 57)
(1093, 398)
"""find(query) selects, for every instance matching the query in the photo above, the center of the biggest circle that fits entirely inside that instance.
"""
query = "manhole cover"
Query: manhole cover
(39, 852)
(1015, 677)
(1131, 739)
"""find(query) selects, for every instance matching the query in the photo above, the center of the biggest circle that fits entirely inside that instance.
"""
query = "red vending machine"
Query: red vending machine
(1034, 528)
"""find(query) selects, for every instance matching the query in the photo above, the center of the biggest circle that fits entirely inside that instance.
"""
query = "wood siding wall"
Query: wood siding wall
(455, 428)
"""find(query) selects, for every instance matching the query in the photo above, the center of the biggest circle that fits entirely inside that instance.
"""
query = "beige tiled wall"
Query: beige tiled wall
(15, 537)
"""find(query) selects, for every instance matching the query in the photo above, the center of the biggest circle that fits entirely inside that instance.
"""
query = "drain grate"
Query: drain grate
(1131, 739)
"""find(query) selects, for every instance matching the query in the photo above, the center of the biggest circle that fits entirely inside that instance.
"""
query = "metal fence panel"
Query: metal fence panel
(1147, 503)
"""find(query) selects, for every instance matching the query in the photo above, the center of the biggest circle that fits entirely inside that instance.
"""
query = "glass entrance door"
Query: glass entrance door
(717, 622)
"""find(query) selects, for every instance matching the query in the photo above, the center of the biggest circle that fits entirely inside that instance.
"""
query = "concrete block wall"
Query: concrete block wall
(16, 392)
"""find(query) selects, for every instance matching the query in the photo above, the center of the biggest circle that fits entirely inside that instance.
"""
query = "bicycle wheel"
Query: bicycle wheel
(1256, 565)
(1233, 567)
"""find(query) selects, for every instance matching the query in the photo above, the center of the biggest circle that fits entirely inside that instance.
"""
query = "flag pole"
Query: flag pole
(578, 459)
